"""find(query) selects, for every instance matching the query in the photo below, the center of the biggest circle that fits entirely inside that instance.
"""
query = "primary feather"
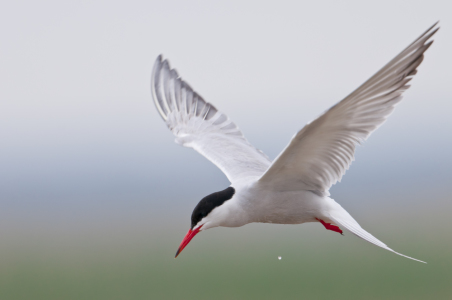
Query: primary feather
(199, 125)
(319, 154)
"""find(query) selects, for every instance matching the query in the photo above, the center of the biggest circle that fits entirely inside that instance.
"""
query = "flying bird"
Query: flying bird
(292, 189)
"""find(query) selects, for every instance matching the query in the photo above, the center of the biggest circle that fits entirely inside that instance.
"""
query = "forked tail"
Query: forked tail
(341, 217)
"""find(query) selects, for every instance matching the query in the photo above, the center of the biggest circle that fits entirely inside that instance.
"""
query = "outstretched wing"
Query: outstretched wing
(319, 154)
(199, 125)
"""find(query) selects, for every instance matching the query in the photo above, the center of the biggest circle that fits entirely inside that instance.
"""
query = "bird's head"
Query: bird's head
(209, 213)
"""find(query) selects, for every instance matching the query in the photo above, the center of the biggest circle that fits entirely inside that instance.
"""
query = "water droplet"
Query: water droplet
(279, 257)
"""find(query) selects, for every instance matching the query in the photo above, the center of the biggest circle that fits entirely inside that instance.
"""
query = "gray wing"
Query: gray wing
(199, 125)
(319, 154)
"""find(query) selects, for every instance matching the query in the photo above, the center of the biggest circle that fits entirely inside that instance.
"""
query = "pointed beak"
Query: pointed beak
(190, 234)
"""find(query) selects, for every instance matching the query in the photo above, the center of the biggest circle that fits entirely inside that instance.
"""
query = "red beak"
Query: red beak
(190, 234)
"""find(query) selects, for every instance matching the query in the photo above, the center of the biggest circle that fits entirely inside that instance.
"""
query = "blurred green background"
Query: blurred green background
(133, 258)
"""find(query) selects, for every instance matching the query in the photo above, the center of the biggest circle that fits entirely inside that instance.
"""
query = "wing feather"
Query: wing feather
(319, 154)
(199, 125)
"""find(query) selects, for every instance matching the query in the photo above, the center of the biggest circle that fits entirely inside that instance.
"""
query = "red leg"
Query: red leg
(328, 226)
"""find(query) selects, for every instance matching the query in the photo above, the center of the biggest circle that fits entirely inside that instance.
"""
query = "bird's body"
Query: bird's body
(253, 202)
(294, 188)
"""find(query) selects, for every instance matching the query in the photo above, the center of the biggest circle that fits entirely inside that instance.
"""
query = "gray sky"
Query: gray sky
(78, 122)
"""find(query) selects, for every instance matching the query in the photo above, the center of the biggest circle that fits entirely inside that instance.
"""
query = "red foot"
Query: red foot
(328, 226)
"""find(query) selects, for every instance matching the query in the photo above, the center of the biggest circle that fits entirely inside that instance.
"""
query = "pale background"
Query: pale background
(91, 179)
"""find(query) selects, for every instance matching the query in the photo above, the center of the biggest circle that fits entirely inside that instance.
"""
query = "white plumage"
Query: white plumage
(199, 125)
(293, 189)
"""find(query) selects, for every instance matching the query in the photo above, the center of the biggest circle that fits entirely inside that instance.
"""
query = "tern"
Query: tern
(293, 189)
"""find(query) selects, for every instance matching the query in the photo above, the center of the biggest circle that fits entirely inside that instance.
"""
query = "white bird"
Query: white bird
(293, 189)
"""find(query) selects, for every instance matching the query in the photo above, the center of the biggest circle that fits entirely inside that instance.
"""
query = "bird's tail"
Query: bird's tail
(341, 217)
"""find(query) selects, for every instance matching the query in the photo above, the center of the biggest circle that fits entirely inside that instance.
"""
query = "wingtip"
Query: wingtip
(155, 83)
(156, 68)
(433, 29)
(174, 73)
(160, 60)
(436, 29)
(166, 65)
(434, 26)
